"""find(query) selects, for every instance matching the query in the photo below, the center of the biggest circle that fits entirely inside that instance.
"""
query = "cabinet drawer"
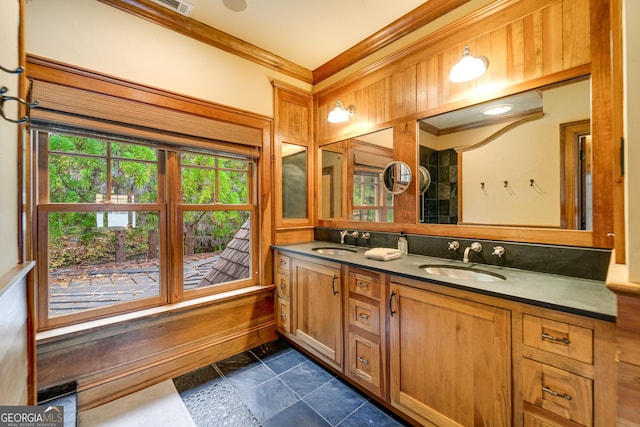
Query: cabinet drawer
(282, 284)
(282, 263)
(530, 421)
(283, 314)
(561, 338)
(364, 316)
(559, 392)
(362, 284)
(364, 360)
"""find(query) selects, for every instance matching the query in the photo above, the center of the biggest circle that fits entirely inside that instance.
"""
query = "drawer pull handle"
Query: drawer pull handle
(282, 285)
(363, 316)
(283, 262)
(363, 286)
(283, 315)
(555, 393)
(363, 360)
(333, 284)
(554, 339)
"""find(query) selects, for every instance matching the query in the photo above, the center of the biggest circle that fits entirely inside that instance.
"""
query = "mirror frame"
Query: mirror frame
(601, 114)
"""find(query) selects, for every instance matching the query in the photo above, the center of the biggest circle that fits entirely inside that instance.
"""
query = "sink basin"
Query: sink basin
(334, 251)
(464, 273)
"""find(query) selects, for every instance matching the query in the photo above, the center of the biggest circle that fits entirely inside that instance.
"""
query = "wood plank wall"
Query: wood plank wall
(111, 360)
(526, 43)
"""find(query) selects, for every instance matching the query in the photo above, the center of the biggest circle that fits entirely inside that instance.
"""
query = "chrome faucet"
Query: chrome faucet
(344, 233)
(475, 247)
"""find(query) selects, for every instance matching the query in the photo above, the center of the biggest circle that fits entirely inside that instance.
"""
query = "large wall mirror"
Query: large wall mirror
(352, 178)
(521, 161)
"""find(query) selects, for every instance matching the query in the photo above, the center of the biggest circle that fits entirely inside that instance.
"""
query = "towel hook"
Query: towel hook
(18, 70)
(4, 98)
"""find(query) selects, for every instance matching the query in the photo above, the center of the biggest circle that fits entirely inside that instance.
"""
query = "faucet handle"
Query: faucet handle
(498, 251)
(453, 246)
(365, 236)
(476, 247)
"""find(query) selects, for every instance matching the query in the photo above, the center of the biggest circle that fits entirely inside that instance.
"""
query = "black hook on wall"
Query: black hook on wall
(4, 98)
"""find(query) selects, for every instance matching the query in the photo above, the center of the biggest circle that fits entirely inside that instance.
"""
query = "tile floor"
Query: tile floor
(272, 385)
(275, 385)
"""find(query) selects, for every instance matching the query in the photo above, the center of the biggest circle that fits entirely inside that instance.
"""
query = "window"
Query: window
(370, 200)
(115, 219)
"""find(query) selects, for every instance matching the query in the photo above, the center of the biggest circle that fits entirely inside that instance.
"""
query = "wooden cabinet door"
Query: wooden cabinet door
(450, 359)
(319, 309)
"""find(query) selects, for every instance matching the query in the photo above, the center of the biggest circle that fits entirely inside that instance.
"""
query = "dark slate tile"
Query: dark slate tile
(69, 405)
(251, 377)
(238, 363)
(268, 398)
(296, 415)
(285, 362)
(334, 401)
(196, 378)
(306, 377)
(370, 415)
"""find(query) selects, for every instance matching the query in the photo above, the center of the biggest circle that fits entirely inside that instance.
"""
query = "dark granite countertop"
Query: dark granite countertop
(569, 294)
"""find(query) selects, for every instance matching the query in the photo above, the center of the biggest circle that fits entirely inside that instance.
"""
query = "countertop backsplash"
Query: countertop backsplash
(585, 263)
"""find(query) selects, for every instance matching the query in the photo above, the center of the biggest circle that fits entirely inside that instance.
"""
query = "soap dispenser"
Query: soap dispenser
(403, 245)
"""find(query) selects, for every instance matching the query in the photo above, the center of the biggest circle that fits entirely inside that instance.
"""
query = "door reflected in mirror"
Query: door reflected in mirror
(351, 181)
(294, 181)
(529, 166)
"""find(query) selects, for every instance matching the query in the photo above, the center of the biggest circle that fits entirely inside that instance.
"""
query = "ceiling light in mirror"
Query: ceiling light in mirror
(496, 110)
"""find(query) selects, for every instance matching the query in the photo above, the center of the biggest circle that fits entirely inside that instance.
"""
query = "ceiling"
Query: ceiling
(306, 32)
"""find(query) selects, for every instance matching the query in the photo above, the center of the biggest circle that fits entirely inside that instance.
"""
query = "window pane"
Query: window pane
(77, 145)
(134, 152)
(198, 185)
(134, 182)
(217, 247)
(102, 259)
(76, 179)
(234, 187)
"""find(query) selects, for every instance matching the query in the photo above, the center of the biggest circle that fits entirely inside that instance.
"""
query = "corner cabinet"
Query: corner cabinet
(455, 368)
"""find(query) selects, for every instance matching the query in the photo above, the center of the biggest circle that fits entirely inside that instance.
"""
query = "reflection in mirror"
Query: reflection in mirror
(351, 184)
(294, 181)
(529, 166)
(397, 177)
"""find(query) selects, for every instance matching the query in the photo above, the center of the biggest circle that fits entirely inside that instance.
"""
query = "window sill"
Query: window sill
(92, 326)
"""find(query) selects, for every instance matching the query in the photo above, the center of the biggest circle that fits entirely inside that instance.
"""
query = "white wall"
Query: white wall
(92, 35)
(9, 15)
(632, 136)
(530, 151)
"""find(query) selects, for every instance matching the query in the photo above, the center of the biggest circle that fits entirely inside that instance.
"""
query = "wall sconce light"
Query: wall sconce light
(340, 114)
(469, 67)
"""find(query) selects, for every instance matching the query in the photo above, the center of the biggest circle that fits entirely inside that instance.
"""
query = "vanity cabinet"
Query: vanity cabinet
(450, 359)
(283, 292)
(365, 329)
(561, 355)
(311, 313)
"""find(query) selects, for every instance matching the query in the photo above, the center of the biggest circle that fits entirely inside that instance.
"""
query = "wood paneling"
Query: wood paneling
(525, 42)
(112, 360)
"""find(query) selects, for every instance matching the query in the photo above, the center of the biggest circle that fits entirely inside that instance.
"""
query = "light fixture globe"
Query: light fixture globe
(340, 114)
(469, 67)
